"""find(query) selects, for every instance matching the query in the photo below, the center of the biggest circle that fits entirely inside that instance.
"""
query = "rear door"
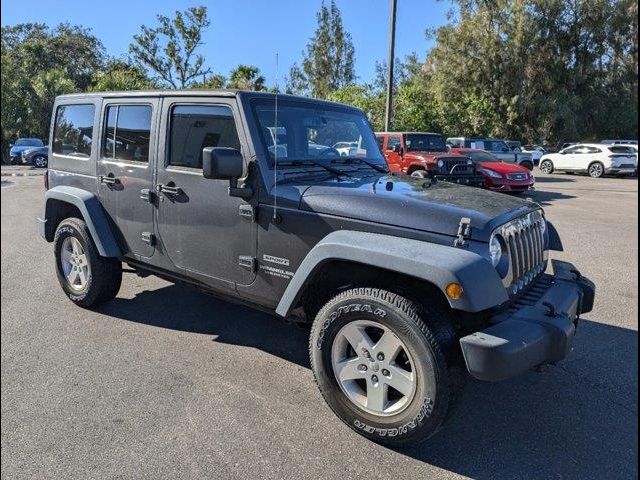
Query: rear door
(204, 231)
(125, 170)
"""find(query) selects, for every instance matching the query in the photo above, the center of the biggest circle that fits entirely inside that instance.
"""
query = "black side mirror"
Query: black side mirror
(222, 163)
(225, 164)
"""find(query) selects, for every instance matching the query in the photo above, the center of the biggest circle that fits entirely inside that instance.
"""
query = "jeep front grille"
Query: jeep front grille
(456, 166)
(523, 240)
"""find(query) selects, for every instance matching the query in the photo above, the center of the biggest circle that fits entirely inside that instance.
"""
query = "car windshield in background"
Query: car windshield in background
(425, 143)
(308, 131)
(29, 142)
(482, 156)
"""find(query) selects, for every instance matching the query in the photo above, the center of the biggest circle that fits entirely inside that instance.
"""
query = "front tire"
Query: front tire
(596, 170)
(87, 278)
(546, 166)
(40, 161)
(387, 367)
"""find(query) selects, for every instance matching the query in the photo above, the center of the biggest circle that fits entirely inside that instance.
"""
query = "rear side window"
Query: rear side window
(73, 131)
(195, 127)
(380, 140)
(127, 132)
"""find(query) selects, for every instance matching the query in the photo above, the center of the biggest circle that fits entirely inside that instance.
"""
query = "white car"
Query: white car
(596, 159)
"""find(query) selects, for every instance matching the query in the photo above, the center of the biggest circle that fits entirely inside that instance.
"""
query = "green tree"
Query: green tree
(168, 51)
(39, 63)
(214, 81)
(328, 62)
(246, 77)
(539, 70)
(366, 97)
(119, 75)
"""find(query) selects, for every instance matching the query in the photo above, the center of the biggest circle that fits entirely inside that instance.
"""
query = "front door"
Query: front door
(200, 226)
(125, 171)
(394, 159)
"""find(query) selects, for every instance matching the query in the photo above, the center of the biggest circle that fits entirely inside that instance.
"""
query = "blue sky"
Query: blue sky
(247, 31)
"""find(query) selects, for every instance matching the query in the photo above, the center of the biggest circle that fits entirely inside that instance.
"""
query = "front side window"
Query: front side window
(393, 142)
(307, 130)
(195, 127)
(127, 133)
(425, 143)
(73, 130)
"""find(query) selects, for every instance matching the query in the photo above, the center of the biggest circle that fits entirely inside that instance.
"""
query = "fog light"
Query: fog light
(454, 291)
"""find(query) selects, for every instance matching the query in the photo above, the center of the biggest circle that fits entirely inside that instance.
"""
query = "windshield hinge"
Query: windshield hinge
(464, 232)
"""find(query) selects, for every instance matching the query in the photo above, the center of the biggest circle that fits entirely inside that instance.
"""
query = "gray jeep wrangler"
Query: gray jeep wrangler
(405, 282)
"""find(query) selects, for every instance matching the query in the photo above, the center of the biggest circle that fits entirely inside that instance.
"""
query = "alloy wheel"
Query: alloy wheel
(74, 263)
(373, 368)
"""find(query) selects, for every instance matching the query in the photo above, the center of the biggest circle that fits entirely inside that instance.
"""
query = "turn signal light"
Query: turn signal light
(454, 291)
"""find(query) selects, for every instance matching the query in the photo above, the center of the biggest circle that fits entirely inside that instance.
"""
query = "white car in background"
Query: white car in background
(595, 159)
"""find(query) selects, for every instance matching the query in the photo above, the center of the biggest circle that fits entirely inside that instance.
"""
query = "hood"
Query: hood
(16, 150)
(503, 167)
(413, 203)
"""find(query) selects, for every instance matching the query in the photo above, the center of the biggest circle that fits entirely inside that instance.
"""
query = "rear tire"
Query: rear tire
(87, 278)
(596, 170)
(402, 344)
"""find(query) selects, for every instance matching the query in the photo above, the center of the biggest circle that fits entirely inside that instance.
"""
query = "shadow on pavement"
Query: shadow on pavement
(555, 179)
(576, 420)
(546, 198)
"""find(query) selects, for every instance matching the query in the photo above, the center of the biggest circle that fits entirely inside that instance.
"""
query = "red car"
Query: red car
(498, 175)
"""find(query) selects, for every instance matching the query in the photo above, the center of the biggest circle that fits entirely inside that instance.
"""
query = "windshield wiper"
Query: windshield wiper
(348, 161)
(298, 163)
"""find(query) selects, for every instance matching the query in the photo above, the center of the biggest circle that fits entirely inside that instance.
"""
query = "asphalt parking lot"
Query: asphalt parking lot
(165, 382)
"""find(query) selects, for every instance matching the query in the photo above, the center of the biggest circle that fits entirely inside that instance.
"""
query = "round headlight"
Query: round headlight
(440, 163)
(495, 250)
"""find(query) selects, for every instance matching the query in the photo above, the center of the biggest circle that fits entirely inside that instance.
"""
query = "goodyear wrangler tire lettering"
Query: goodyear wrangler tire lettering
(347, 309)
(425, 334)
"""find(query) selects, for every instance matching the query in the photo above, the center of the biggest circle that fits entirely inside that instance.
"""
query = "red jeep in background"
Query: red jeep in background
(499, 176)
(426, 155)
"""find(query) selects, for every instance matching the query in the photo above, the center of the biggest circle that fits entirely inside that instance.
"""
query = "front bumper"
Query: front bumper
(535, 330)
(508, 185)
(471, 180)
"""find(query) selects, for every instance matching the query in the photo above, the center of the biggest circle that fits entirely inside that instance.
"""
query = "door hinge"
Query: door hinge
(246, 211)
(148, 238)
(146, 194)
(247, 262)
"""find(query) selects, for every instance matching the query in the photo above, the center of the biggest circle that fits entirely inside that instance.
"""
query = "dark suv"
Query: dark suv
(406, 282)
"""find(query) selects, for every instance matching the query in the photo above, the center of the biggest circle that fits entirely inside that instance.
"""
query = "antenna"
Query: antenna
(275, 147)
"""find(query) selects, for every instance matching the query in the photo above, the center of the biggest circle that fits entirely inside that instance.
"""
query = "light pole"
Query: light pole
(390, 58)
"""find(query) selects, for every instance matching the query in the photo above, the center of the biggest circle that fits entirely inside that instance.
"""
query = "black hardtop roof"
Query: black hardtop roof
(197, 92)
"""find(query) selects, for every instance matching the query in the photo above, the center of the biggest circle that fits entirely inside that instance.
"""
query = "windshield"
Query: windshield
(482, 156)
(315, 131)
(419, 142)
(29, 142)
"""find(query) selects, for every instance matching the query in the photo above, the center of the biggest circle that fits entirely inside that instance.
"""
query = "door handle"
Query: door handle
(170, 189)
(109, 179)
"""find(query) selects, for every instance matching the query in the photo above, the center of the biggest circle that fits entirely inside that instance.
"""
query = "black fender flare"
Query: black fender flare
(434, 263)
(92, 213)
(555, 243)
